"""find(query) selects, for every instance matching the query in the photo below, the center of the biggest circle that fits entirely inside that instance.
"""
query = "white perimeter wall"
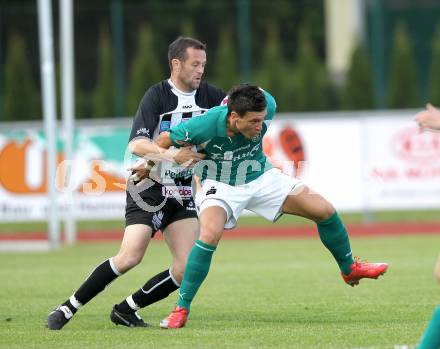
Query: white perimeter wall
(359, 161)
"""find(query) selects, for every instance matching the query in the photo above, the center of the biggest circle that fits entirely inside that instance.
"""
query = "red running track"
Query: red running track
(268, 232)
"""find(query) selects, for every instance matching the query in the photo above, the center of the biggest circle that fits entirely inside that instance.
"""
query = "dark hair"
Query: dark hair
(177, 49)
(244, 98)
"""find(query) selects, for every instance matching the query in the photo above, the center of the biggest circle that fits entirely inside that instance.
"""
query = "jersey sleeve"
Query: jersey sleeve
(197, 130)
(271, 106)
(147, 116)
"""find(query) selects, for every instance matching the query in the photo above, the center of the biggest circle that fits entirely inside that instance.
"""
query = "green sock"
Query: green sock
(197, 267)
(334, 236)
(431, 337)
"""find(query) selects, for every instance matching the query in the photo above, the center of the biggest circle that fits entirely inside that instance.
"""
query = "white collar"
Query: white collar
(180, 91)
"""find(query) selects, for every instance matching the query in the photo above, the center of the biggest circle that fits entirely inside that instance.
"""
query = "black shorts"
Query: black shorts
(154, 209)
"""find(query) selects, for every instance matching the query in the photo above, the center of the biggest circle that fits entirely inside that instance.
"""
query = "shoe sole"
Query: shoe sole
(356, 282)
(166, 327)
(117, 319)
(55, 324)
(54, 328)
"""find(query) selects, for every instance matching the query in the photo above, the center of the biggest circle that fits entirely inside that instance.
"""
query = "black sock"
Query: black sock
(157, 288)
(100, 277)
(70, 306)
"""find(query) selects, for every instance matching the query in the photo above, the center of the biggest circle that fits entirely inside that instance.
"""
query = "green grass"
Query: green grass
(352, 218)
(259, 294)
(349, 218)
(24, 227)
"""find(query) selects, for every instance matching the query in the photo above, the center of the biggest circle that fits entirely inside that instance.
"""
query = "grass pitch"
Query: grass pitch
(282, 293)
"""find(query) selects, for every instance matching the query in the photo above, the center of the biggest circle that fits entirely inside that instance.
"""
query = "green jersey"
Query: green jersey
(232, 160)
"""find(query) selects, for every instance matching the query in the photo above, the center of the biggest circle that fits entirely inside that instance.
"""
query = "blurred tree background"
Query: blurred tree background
(121, 50)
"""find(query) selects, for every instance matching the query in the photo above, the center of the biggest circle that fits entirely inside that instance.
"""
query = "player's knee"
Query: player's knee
(210, 234)
(177, 271)
(124, 262)
(324, 212)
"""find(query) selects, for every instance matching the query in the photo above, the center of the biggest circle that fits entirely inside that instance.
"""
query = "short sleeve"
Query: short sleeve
(271, 106)
(147, 116)
(197, 130)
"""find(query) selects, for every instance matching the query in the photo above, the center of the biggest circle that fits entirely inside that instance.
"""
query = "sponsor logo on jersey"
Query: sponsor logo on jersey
(236, 154)
(228, 156)
(187, 137)
(218, 146)
(187, 106)
(249, 154)
(211, 191)
(144, 131)
(180, 172)
(185, 192)
(185, 141)
(164, 126)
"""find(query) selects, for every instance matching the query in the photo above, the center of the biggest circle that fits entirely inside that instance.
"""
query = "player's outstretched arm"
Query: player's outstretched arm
(160, 150)
(143, 147)
(429, 118)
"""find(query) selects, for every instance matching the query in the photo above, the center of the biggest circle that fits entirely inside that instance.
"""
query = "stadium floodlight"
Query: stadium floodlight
(67, 103)
(49, 114)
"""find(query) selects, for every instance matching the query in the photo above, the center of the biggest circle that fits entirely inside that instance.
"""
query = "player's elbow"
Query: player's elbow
(132, 147)
(137, 146)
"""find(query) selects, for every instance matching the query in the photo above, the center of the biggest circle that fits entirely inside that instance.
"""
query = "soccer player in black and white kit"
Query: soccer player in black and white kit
(165, 204)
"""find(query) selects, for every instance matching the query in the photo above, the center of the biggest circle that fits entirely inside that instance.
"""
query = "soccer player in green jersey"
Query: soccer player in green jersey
(235, 175)
(431, 337)
(430, 119)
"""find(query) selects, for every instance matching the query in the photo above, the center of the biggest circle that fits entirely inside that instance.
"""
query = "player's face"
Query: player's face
(251, 124)
(191, 70)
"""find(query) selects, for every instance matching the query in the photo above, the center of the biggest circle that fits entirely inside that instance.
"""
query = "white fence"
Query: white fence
(359, 161)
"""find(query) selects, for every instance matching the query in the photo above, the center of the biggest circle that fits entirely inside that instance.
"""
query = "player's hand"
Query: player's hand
(163, 140)
(141, 170)
(185, 156)
(429, 118)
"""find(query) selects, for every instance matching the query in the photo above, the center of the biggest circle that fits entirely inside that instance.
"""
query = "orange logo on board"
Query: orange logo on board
(291, 145)
(15, 172)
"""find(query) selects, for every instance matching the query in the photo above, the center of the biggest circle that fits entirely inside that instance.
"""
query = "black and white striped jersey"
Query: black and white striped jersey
(164, 106)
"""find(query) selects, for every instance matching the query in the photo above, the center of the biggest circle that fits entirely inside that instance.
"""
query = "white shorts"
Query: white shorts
(264, 196)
